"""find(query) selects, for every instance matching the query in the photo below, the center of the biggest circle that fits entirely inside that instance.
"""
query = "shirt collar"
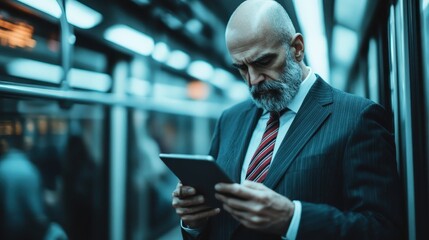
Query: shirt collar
(305, 87)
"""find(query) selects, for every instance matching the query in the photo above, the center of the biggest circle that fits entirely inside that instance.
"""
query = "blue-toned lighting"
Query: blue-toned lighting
(82, 16)
(130, 38)
(345, 44)
(34, 70)
(201, 70)
(178, 60)
(222, 78)
(161, 52)
(139, 87)
(311, 19)
(84, 79)
(350, 13)
(78, 14)
(45, 72)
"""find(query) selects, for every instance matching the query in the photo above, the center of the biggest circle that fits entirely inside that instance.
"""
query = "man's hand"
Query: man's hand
(256, 206)
(190, 207)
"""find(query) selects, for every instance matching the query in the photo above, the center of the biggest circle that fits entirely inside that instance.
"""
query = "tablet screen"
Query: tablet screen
(198, 171)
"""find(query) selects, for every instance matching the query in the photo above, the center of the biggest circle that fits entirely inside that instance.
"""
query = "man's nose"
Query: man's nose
(254, 77)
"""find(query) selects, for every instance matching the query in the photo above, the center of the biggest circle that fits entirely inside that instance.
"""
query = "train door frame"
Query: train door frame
(408, 106)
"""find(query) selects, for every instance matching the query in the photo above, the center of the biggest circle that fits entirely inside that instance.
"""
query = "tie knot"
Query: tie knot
(276, 115)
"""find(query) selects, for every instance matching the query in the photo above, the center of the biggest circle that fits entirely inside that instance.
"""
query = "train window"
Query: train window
(89, 67)
(425, 41)
(52, 169)
(150, 183)
(29, 46)
(373, 75)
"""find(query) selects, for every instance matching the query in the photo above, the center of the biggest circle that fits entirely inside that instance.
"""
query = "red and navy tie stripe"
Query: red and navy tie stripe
(261, 160)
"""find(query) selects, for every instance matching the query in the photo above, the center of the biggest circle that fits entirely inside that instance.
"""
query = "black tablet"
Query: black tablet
(198, 171)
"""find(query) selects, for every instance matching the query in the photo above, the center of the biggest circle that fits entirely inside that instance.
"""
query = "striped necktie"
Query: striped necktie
(261, 160)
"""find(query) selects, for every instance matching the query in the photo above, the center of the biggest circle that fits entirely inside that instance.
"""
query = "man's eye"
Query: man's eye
(241, 67)
(263, 62)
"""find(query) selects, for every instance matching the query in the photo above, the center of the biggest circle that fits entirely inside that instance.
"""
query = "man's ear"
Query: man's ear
(297, 45)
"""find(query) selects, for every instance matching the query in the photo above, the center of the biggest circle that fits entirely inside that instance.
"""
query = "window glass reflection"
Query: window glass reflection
(51, 170)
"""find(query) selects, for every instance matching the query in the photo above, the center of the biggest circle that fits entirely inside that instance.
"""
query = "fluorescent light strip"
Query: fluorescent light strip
(222, 78)
(34, 70)
(350, 13)
(82, 16)
(178, 60)
(346, 43)
(130, 38)
(200, 70)
(45, 72)
(310, 17)
(78, 14)
(139, 87)
(161, 52)
(84, 79)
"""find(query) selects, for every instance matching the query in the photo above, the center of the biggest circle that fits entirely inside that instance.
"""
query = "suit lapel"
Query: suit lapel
(308, 120)
(233, 160)
(242, 135)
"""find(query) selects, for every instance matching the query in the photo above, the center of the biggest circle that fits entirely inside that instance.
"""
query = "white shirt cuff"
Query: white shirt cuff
(194, 232)
(294, 223)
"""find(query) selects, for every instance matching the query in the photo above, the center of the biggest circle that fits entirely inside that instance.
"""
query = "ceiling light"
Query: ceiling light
(201, 70)
(35, 70)
(345, 44)
(178, 60)
(90, 80)
(311, 19)
(78, 14)
(350, 13)
(82, 16)
(194, 26)
(161, 52)
(222, 78)
(51, 73)
(130, 38)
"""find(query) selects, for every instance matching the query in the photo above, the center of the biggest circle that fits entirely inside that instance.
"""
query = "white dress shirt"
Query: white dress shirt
(285, 122)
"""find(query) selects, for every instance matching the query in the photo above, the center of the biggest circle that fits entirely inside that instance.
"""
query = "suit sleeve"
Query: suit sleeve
(214, 147)
(372, 206)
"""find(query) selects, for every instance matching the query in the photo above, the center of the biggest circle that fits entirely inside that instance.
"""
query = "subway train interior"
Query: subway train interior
(91, 91)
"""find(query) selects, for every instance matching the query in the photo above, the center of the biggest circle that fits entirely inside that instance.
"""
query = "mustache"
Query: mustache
(266, 85)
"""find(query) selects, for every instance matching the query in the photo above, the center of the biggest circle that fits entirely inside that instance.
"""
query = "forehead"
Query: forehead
(247, 48)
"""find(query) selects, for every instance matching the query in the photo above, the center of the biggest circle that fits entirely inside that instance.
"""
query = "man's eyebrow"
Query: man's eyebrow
(264, 57)
(261, 58)
(237, 65)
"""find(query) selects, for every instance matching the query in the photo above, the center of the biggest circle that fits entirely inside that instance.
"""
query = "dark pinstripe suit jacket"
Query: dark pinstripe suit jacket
(338, 159)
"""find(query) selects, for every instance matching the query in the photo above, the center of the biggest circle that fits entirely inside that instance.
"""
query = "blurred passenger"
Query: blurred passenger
(299, 139)
(22, 214)
(79, 180)
(151, 184)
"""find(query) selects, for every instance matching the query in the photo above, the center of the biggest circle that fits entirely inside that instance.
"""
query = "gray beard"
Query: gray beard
(274, 95)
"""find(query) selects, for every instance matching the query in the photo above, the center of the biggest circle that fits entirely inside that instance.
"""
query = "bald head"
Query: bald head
(259, 18)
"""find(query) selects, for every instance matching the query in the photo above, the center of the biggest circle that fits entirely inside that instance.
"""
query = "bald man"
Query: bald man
(310, 161)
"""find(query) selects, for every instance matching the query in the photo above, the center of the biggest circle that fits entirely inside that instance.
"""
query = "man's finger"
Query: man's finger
(254, 185)
(187, 202)
(183, 191)
(201, 215)
(237, 190)
(193, 210)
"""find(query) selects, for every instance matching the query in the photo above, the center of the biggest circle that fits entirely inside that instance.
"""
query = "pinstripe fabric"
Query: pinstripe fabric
(338, 159)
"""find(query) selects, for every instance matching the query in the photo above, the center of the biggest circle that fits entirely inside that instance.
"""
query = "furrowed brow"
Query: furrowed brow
(264, 57)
